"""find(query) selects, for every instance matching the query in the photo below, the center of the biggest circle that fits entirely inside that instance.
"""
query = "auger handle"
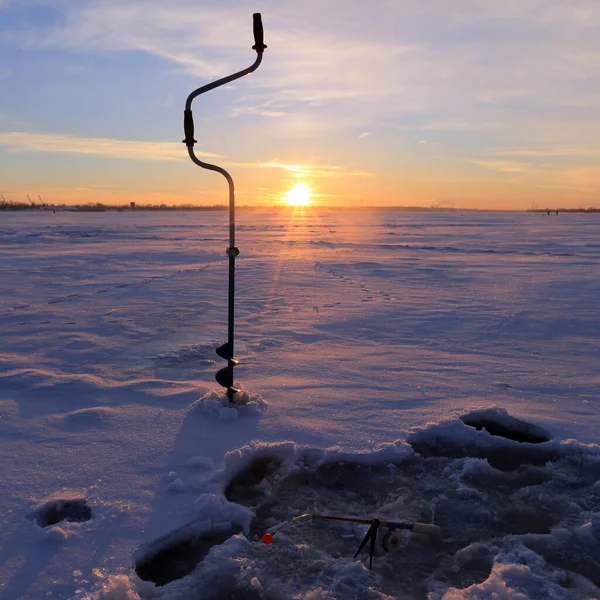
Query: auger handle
(188, 128)
(259, 42)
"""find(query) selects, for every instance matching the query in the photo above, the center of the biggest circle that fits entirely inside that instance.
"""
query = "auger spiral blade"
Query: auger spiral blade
(225, 351)
(224, 378)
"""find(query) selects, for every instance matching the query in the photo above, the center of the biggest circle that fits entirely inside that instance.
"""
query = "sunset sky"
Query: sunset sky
(472, 103)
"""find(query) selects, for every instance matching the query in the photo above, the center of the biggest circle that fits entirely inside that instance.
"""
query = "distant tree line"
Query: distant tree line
(99, 207)
(7, 205)
(591, 209)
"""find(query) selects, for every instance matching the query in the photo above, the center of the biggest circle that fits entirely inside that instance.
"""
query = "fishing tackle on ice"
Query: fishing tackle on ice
(391, 540)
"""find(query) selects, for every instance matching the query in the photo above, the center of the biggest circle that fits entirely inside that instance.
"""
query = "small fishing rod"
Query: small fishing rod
(391, 540)
(224, 376)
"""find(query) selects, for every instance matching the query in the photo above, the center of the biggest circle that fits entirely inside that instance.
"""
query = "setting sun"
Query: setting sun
(299, 195)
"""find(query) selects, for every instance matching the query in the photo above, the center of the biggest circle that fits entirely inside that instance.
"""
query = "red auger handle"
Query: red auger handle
(259, 42)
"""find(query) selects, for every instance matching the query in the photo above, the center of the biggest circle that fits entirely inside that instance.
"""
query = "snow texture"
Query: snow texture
(218, 406)
(432, 367)
(524, 533)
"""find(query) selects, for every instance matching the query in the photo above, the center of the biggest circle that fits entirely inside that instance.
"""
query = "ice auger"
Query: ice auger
(224, 376)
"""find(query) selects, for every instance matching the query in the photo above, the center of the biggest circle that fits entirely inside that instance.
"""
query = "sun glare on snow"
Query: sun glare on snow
(299, 195)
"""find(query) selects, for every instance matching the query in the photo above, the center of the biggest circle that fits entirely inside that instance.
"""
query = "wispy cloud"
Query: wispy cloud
(583, 179)
(18, 141)
(270, 108)
(548, 152)
(305, 169)
(492, 53)
(455, 125)
(509, 87)
(504, 166)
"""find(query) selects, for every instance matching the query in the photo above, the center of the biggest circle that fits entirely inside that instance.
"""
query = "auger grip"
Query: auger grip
(188, 128)
(257, 26)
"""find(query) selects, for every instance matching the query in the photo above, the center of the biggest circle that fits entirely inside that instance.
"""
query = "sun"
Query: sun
(299, 195)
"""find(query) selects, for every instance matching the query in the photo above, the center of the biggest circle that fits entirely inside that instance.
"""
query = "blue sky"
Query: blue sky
(477, 102)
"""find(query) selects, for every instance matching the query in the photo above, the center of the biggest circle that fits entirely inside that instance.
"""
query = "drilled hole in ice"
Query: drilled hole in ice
(242, 488)
(521, 520)
(58, 510)
(478, 508)
(178, 559)
(503, 425)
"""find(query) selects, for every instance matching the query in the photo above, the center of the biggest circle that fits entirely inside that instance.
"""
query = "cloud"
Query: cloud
(455, 125)
(504, 166)
(583, 179)
(578, 179)
(270, 108)
(180, 31)
(18, 141)
(303, 169)
(548, 152)
(513, 52)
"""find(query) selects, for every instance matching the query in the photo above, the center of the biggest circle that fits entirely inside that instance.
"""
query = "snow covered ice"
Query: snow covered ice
(434, 367)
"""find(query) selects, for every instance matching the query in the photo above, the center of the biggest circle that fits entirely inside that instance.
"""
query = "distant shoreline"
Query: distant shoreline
(13, 207)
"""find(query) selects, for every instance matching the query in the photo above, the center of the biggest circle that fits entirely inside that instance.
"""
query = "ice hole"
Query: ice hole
(500, 423)
(241, 488)
(55, 511)
(521, 520)
(178, 559)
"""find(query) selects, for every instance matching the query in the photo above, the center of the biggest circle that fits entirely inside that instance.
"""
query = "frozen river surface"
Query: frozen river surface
(354, 329)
